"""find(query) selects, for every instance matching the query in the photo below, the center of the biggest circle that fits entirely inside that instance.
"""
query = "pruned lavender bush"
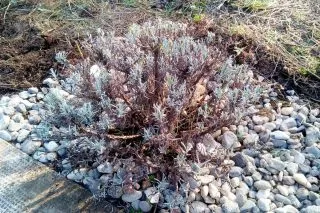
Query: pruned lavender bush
(151, 95)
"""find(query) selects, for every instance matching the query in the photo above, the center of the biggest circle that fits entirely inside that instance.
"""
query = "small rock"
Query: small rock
(105, 168)
(229, 139)
(286, 110)
(230, 207)
(14, 127)
(248, 206)
(240, 160)
(204, 191)
(77, 175)
(301, 179)
(302, 194)
(262, 185)
(235, 171)
(259, 120)
(5, 135)
(4, 121)
(312, 136)
(283, 190)
(50, 82)
(52, 156)
(287, 124)
(115, 191)
(23, 134)
(51, 146)
(24, 95)
(206, 179)
(311, 209)
(30, 146)
(286, 209)
(34, 119)
(145, 206)
(277, 164)
(136, 195)
(264, 204)
(282, 199)
(197, 207)
(153, 195)
(314, 151)
(279, 135)
(214, 191)
(33, 90)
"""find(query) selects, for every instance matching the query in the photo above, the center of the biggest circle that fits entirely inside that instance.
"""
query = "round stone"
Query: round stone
(5, 135)
(30, 146)
(22, 135)
(197, 206)
(286, 110)
(130, 197)
(145, 206)
(264, 204)
(229, 139)
(51, 146)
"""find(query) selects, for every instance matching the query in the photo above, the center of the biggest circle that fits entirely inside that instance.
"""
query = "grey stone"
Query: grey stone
(24, 95)
(77, 175)
(313, 150)
(33, 90)
(312, 136)
(4, 121)
(311, 209)
(259, 120)
(240, 160)
(287, 124)
(205, 179)
(21, 108)
(204, 191)
(264, 204)
(145, 206)
(34, 119)
(282, 199)
(263, 194)
(301, 118)
(301, 179)
(262, 185)
(197, 207)
(23, 134)
(14, 127)
(30, 146)
(229, 139)
(286, 110)
(277, 164)
(292, 168)
(294, 200)
(302, 194)
(9, 111)
(313, 196)
(230, 207)
(270, 126)
(28, 104)
(304, 168)
(247, 206)
(105, 168)
(17, 117)
(280, 135)
(51, 146)
(283, 190)
(286, 209)
(5, 135)
(52, 156)
(251, 139)
(214, 191)
(235, 171)
(152, 194)
(50, 82)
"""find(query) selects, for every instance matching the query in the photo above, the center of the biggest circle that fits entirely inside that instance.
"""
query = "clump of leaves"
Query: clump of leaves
(152, 94)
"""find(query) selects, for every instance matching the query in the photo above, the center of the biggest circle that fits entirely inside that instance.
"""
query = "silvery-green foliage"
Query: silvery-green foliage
(159, 113)
(177, 93)
(61, 57)
(43, 130)
(85, 114)
(148, 133)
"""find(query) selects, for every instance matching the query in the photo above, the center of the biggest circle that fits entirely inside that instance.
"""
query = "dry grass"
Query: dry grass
(289, 29)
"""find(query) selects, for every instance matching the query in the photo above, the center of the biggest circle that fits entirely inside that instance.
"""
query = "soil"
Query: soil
(27, 55)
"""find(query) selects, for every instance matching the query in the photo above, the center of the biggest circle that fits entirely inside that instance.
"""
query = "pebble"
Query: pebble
(52, 156)
(280, 135)
(33, 90)
(264, 204)
(311, 209)
(229, 139)
(51, 146)
(4, 121)
(5, 135)
(262, 185)
(301, 179)
(153, 195)
(77, 175)
(145, 206)
(34, 119)
(230, 207)
(248, 206)
(235, 171)
(22, 135)
(286, 110)
(312, 136)
(135, 195)
(30, 146)
(105, 168)
(206, 179)
(213, 191)
(198, 206)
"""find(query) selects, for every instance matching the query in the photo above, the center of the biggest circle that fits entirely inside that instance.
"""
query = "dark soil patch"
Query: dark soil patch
(26, 56)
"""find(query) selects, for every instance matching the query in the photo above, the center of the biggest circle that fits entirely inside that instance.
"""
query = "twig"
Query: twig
(5, 12)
